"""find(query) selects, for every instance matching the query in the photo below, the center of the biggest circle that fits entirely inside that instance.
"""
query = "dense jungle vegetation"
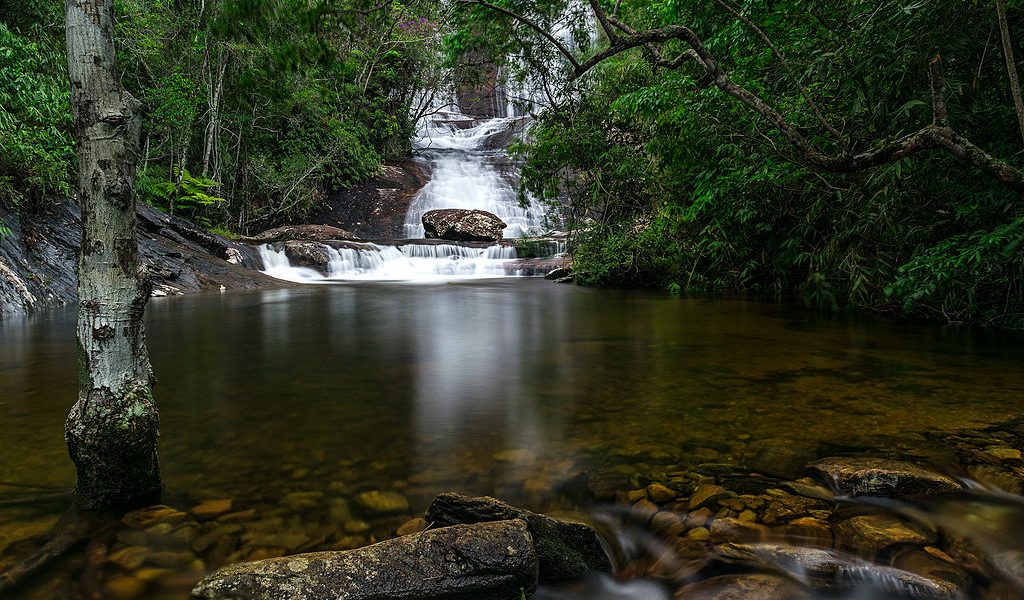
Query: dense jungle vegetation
(255, 110)
(676, 184)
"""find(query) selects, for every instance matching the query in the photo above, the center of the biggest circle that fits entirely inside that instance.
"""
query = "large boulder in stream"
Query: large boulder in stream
(459, 225)
(566, 550)
(881, 477)
(492, 561)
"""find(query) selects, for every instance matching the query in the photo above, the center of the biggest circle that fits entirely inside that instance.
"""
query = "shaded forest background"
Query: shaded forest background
(255, 110)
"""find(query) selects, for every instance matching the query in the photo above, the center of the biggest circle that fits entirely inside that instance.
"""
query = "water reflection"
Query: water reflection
(291, 403)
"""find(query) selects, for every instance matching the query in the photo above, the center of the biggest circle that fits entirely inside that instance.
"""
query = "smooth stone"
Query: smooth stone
(660, 494)
(357, 527)
(636, 496)
(211, 509)
(341, 511)
(382, 503)
(171, 560)
(130, 558)
(239, 516)
(831, 571)
(733, 530)
(1005, 453)
(668, 523)
(519, 455)
(302, 500)
(873, 534)
(881, 477)
(153, 515)
(413, 526)
(486, 560)
(706, 494)
(744, 587)
(565, 550)
(124, 588)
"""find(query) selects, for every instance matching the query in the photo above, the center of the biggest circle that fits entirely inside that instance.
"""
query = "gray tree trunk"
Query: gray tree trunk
(112, 430)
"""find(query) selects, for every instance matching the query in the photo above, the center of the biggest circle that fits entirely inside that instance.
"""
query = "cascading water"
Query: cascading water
(467, 174)
(470, 170)
(409, 262)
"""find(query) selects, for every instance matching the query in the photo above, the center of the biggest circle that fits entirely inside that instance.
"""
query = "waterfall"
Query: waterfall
(468, 174)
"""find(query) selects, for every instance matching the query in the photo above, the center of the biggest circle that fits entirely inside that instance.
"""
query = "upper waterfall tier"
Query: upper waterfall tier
(471, 170)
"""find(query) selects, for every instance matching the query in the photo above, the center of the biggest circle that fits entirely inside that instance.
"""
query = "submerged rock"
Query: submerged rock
(826, 570)
(744, 587)
(565, 550)
(461, 225)
(489, 560)
(382, 503)
(881, 477)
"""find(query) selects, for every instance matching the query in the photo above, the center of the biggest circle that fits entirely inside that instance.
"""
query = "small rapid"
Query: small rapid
(417, 262)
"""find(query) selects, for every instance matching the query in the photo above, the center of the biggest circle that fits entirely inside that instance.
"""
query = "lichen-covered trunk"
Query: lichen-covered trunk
(112, 429)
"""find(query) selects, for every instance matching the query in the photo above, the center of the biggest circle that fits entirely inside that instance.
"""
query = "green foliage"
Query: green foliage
(35, 144)
(185, 195)
(678, 186)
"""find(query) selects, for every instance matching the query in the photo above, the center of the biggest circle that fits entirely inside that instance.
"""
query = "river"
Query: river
(412, 369)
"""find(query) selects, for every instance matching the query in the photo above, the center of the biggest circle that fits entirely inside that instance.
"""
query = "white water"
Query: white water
(466, 175)
(412, 262)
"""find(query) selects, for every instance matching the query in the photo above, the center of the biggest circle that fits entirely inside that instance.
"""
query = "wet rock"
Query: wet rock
(825, 570)
(382, 503)
(744, 587)
(487, 560)
(781, 507)
(301, 233)
(413, 526)
(130, 558)
(881, 477)
(565, 550)
(124, 588)
(706, 494)
(302, 500)
(312, 255)
(736, 531)
(660, 494)
(171, 560)
(154, 515)
(870, 535)
(211, 509)
(461, 225)
(238, 516)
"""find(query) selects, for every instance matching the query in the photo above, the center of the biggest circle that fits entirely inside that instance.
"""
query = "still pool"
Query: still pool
(290, 403)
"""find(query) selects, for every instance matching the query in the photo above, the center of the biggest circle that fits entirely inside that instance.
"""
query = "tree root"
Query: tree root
(64, 541)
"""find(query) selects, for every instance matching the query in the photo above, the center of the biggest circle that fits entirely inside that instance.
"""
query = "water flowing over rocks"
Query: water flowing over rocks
(492, 561)
(460, 225)
(880, 477)
(566, 550)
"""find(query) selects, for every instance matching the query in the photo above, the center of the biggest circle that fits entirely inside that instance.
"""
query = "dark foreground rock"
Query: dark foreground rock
(459, 225)
(881, 477)
(303, 233)
(493, 561)
(565, 550)
(38, 260)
